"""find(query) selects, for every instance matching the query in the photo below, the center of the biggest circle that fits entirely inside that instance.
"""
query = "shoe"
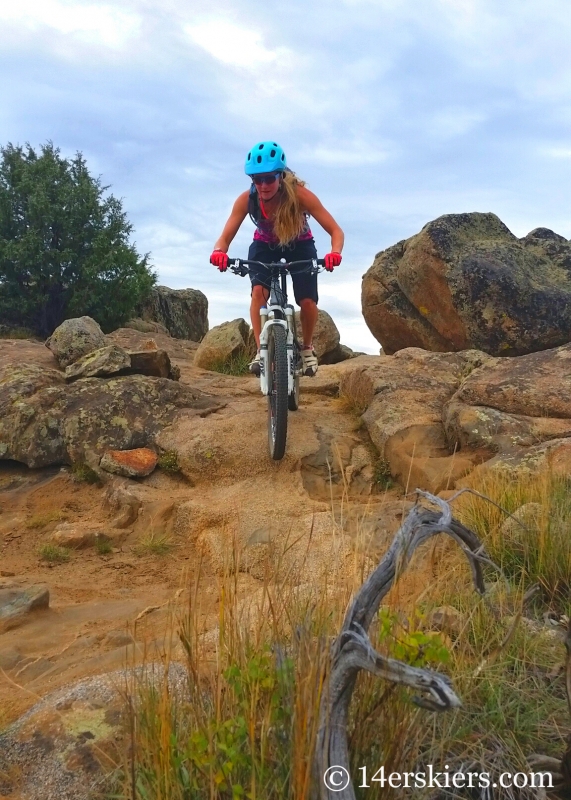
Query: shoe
(254, 366)
(309, 362)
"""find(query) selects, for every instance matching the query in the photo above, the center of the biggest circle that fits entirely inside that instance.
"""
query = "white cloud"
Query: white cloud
(351, 154)
(557, 152)
(235, 45)
(97, 23)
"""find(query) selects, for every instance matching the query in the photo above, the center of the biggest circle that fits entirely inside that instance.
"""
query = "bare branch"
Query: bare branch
(352, 651)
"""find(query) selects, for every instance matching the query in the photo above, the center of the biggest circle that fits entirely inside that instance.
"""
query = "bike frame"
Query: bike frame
(280, 312)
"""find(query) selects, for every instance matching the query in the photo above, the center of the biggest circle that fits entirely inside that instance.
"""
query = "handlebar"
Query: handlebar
(240, 266)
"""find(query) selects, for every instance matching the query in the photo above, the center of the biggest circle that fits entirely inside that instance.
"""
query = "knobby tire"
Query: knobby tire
(278, 396)
(293, 398)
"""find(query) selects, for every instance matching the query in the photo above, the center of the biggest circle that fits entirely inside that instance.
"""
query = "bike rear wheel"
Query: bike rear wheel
(277, 396)
(293, 398)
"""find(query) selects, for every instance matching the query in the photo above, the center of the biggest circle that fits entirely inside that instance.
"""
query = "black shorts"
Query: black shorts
(304, 284)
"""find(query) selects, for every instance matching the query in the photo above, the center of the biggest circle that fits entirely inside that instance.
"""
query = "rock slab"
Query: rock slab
(105, 361)
(44, 421)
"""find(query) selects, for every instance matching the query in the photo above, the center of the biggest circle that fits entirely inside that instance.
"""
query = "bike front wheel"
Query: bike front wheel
(277, 395)
(293, 398)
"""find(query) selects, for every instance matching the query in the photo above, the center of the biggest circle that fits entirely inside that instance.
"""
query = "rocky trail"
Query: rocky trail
(319, 506)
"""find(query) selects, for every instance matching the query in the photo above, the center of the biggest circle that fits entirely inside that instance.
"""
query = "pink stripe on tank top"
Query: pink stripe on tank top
(265, 232)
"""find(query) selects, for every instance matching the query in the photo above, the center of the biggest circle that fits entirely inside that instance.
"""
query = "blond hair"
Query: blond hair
(290, 220)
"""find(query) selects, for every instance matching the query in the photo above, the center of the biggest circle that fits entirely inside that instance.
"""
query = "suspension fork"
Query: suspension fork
(264, 336)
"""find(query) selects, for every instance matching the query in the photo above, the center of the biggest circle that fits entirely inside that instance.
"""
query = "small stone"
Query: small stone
(525, 520)
(130, 463)
(446, 619)
(4, 573)
(16, 603)
(70, 535)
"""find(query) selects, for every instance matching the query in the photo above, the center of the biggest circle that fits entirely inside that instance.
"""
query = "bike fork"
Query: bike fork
(264, 335)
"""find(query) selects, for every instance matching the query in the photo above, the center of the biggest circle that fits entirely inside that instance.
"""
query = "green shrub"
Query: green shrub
(168, 461)
(235, 365)
(84, 473)
(64, 245)
(382, 474)
(103, 546)
(16, 333)
(154, 544)
(54, 554)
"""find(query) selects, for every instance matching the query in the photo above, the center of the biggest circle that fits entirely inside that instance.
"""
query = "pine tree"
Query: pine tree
(64, 244)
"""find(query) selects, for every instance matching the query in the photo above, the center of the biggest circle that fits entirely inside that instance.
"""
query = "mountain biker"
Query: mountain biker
(279, 204)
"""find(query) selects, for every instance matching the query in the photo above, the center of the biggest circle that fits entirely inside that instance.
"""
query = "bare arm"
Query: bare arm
(313, 205)
(236, 218)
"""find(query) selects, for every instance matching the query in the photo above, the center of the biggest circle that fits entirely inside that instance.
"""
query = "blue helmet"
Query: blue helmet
(265, 157)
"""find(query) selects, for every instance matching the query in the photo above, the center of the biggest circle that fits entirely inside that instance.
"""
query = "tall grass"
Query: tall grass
(237, 364)
(243, 722)
(537, 547)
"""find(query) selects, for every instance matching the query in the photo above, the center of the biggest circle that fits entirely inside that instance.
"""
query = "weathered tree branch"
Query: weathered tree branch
(352, 650)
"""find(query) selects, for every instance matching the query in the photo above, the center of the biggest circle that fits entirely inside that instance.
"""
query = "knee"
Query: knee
(258, 295)
(307, 304)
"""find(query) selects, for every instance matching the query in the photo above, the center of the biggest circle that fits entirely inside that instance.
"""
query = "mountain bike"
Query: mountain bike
(280, 353)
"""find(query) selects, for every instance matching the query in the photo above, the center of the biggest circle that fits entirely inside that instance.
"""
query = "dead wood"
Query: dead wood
(352, 650)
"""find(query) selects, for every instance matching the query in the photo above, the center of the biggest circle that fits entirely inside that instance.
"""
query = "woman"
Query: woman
(279, 205)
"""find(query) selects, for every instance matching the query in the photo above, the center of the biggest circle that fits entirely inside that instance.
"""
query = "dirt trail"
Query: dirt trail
(230, 496)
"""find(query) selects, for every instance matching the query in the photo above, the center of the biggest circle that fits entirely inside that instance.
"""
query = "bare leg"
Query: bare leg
(308, 317)
(259, 298)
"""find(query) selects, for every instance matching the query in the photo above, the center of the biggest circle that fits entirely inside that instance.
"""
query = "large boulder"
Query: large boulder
(75, 338)
(183, 312)
(325, 338)
(222, 343)
(45, 421)
(465, 281)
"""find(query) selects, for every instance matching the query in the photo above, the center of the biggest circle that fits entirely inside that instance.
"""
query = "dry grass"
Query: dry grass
(536, 550)
(46, 518)
(237, 364)
(154, 544)
(355, 392)
(245, 724)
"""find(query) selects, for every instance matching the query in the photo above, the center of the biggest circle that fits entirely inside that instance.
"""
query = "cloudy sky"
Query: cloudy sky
(393, 111)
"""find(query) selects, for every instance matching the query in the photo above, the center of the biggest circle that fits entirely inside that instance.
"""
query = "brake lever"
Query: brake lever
(238, 269)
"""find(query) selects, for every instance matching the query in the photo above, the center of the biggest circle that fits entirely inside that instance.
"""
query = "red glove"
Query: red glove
(220, 259)
(332, 260)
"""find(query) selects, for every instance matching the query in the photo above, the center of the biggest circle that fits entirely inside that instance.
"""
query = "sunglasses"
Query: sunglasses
(259, 179)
